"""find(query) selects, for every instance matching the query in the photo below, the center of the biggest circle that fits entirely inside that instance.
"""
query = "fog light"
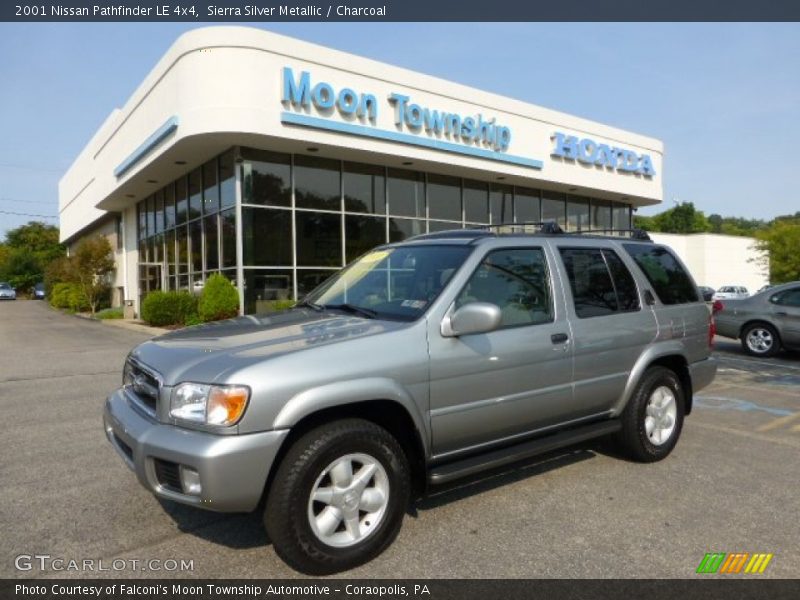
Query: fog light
(190, 480)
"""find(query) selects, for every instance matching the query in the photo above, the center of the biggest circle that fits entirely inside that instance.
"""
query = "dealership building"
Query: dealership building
(275, 162)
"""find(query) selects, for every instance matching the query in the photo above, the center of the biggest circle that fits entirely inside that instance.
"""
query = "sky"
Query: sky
(724, 98)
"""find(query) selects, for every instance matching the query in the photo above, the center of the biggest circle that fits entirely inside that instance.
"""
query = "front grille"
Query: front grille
(144, 385)
(168, 475)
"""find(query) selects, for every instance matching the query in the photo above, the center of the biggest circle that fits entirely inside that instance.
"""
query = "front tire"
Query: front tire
(653, 418)
(338, 497)
(760, 339)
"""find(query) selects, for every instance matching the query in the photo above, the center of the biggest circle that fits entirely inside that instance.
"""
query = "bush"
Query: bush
(109, 313)
(69, 296)
(218, 300)
(168, 308)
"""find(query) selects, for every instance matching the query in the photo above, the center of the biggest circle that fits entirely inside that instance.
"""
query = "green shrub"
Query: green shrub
(109, 313)
(69, 296)
(168, 308)
(278, 305)
(218, 300)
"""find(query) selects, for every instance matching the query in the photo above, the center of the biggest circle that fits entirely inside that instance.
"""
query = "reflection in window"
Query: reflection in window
(181, 201)
(182, 249)
(671, 282)
(516, 281)
(227, 180)
(266, 237)
(501, 203)
(212, 247)
(159, 211)
(309, 279)
(195, 194)
(592, 291)
(210, 189)
(364, 188)
(444, 197)
(577, 214)
(319, 239)
(169, 206)
(528, 205)
(228, 231)
(196, 245)
(601, 214)
(476, 202)
(621, 216)
(317, 183)
(267, 290)
(406, 193)
(266, 178)
(554, 207)
(402, 229)
(362, 234)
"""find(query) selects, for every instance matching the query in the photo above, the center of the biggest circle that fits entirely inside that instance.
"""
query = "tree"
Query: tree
(90, 267)
(781, 239)
(681, 218)
(27, 250)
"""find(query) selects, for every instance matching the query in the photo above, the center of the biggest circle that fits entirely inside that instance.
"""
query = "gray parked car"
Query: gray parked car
(764, 322)
(7, 292)
(420, 363)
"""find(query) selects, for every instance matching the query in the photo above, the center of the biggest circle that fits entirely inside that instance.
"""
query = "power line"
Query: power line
(18, 214)
(6, 199)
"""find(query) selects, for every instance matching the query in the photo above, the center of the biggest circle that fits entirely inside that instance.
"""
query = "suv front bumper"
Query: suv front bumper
(232, 469)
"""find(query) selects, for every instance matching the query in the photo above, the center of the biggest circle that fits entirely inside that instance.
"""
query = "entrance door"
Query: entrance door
(151, 278)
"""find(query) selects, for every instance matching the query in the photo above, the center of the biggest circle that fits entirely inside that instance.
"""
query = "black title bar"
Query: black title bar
(222, 11)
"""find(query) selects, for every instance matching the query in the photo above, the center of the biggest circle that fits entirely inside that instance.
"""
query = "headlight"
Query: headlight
(127, 373)
(209, 404)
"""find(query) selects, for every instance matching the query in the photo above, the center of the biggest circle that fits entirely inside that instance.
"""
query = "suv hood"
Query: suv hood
(207, 353)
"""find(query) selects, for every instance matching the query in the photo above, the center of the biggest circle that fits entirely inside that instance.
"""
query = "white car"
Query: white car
(7, 292)
(731, 292)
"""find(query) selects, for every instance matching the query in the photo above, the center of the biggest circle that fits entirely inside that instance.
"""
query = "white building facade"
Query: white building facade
(275, 162)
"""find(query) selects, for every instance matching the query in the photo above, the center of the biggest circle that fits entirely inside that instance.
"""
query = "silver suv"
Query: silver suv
(420, 363)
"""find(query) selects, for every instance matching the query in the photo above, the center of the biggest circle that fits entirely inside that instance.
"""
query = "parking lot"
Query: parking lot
(731, 485)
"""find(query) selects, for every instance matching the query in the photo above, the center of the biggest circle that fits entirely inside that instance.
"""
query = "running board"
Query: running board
(496, 458)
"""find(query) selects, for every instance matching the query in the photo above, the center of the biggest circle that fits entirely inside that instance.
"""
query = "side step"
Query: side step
(496, 458)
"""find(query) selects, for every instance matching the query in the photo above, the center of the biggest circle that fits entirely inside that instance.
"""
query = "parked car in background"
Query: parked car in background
(731, 292)
(38, 292)
(765, 322)
(7, 292)
(708, 293)
(764, 288)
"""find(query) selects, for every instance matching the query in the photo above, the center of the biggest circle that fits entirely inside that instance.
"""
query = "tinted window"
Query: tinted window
(787, 297)
(670, 281)
(627, 295)
(592, 289)
(516, 281)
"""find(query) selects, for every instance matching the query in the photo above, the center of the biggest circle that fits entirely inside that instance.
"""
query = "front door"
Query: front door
(497, 386)
(786, 311)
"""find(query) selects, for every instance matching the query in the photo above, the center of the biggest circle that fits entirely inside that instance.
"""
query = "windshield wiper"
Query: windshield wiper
(309, 304)
(367, 313)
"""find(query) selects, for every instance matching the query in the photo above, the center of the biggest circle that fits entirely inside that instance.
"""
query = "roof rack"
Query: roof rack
(634, 233)
(541, 227)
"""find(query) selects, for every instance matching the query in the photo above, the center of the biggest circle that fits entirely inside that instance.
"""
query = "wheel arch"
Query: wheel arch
(759, 321)
(384, 412)
(670, 356)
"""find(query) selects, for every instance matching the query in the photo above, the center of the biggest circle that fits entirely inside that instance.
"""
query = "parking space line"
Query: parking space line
(780, 422)
(760, 390)
(753, 436)
(749, 361)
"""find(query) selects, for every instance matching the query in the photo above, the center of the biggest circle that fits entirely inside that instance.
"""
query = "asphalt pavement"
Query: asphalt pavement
(731, 485)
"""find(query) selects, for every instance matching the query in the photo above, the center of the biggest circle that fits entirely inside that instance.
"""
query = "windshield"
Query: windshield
(4, 286)
(726, 290)
(393, 283)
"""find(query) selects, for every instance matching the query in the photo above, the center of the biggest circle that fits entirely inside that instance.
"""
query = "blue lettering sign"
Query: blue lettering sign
(589, 152)
(301, 93)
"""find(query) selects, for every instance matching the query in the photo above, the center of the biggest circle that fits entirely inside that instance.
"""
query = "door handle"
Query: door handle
(782, 314)
(559, 338)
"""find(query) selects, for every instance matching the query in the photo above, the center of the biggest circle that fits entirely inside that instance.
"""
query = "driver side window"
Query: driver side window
(516, 280)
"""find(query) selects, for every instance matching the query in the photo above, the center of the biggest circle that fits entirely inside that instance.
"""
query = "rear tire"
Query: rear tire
(338, 497)
(653, 418)
(760, 339)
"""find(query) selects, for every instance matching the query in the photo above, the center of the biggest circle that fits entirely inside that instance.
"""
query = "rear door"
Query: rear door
(786, 311)
(610, 324)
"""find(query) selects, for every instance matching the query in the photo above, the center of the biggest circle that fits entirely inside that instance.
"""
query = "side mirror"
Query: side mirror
(475, 317)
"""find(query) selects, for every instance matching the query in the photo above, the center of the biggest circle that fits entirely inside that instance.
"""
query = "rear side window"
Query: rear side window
(670, 281)
(601, 283)
(789, 297)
